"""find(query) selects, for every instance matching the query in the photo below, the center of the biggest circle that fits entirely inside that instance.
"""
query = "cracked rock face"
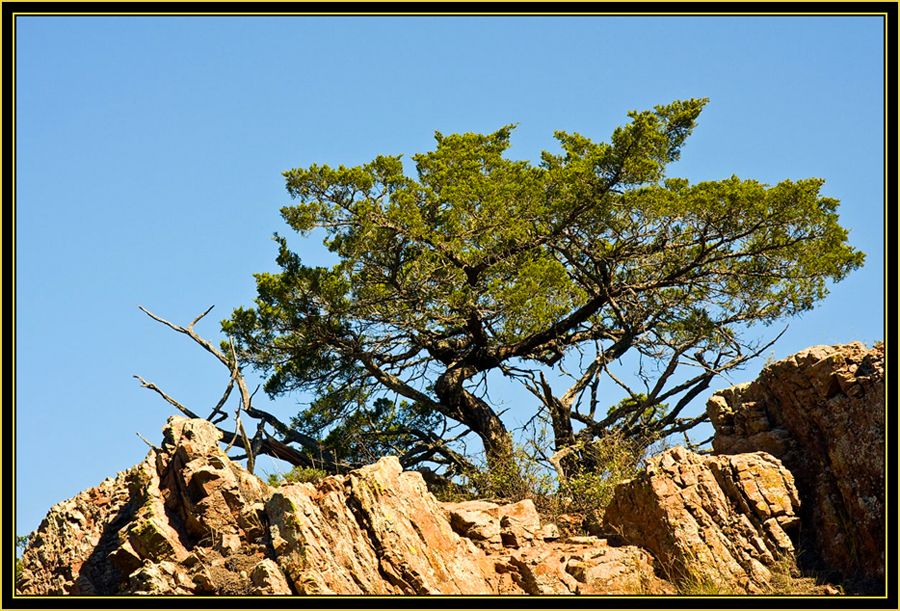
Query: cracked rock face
(722, 519)
(374, 531)
(821, 412)
(187, 520)
(492, 526)
(585, 565)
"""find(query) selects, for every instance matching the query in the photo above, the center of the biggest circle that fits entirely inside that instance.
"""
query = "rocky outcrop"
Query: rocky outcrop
(821, 412)
(189, 521)
(185, 520)
(539, 560)
(802, 444)
(724, 520)
(375, 531)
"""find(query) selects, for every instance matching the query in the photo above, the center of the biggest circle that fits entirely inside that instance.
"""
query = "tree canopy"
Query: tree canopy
(481, 264)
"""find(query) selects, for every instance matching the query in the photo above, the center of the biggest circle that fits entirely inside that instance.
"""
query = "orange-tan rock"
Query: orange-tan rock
(187, 520)
(821, 412)
(721, 519)
(802, 444)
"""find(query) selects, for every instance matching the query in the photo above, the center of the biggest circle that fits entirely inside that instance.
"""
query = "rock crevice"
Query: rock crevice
(187, 520)
(821, 412)
(803, 444)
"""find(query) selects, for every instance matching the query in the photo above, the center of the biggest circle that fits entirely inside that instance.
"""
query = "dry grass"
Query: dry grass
(783, 582)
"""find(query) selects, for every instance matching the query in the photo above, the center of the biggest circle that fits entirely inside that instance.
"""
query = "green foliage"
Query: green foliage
(475, 262)
(644, 412)
(612, 460)
(22, 543)
(527, 475)
(518, 478)
(298, 475)
(406, 247)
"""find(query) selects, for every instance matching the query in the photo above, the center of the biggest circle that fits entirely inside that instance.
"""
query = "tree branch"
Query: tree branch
(180, 407)
(258, 444)
(190, 333)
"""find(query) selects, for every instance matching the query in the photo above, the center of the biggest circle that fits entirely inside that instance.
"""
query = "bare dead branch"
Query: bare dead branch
(233, 367)
(190, 327)
(246, 441)
(218, 408)
(147, 442)
(190, 333)
(182, 408)
(556, 461)
(237, 427)
(236, 375)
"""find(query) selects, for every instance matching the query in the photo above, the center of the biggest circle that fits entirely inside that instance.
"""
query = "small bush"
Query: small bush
(518, 478)
(297, 475)
(529, 475)
(611, 460)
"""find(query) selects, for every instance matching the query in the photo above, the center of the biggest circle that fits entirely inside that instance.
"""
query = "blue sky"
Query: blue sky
(149, 153)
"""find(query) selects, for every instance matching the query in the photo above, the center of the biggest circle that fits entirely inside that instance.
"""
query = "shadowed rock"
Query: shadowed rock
(821, 412)
(187, 520)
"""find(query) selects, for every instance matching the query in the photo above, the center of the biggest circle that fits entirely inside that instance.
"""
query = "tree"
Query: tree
(481, 264)
(22, 542)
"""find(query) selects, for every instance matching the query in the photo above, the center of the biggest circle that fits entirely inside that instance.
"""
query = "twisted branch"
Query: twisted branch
(261, 442)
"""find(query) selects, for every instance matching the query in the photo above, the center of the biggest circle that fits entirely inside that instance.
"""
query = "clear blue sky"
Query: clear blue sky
(149, 153)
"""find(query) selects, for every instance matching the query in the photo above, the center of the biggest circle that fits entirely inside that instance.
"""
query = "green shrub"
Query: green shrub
(605, 463)
(522, 475)
(518, 478)
(22, 542)
(309, 475)
(528, 474)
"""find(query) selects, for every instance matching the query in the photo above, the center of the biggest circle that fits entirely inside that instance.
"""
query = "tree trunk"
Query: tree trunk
(563, 437)
(475, 413)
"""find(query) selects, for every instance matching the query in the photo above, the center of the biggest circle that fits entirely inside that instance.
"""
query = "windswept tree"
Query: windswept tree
(480, 264)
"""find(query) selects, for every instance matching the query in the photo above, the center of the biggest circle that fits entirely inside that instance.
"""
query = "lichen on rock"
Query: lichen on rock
(821, 412)
(802, 444)
(723, 519)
